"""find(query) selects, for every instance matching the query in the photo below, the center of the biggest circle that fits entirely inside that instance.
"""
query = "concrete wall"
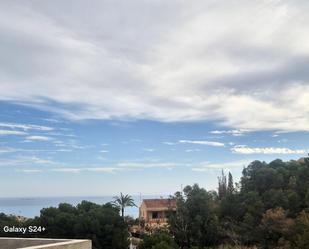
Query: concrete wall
(22, 243)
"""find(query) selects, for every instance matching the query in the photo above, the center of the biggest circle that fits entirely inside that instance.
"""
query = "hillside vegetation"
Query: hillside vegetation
(268, 208)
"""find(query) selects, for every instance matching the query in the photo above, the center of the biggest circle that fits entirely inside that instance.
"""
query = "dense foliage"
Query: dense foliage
(195, 222)
(158, 240)
(100, 223)
(268, 209)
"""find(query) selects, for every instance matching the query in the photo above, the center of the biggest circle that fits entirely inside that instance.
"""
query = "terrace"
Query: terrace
(36, 243)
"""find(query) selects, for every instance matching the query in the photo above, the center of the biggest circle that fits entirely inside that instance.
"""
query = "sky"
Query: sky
(148, 96)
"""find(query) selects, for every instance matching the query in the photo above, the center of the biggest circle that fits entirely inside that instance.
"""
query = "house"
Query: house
(155, 212)
(303, 159)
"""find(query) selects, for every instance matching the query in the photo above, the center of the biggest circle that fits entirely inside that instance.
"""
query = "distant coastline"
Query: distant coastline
(30, 206)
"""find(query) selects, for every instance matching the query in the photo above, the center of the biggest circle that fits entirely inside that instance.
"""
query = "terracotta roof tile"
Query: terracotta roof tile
(159, 203)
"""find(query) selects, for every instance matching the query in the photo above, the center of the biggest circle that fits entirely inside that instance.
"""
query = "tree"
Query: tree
(275, 226)
(222, 188)
(302, 231)
(195, 222)
(124, 201)
(100, 223)
(179, 221)
(158, 240)
(230, 186)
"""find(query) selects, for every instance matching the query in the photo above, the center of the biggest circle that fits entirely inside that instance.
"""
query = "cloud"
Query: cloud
(231, 132)
(67, 170)
(193, 150)
(202, 142)
(206, 166)
(79, 170)
(26, 127)
(103, 169)
(169, 143)
(267, 150)
(63, 150)
(30, 171)
(104, 151)
(243, 64)
(10, 132)
(147, 165)
(38, 138)
(26, 160)
(38, 160)
(12, 150)
(7, 150)
(60, 134)
(52, 120)
(21, 161)
(149, 149)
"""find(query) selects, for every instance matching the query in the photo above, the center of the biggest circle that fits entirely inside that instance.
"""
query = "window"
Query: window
(155, 215)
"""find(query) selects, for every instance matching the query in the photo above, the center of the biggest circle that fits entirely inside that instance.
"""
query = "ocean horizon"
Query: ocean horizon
(30, 206)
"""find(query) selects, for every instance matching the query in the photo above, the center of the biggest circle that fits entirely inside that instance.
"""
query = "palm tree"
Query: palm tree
(124, 201)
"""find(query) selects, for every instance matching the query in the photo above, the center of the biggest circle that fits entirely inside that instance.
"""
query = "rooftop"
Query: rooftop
(36, 243)
(159, 203)
(303, 159)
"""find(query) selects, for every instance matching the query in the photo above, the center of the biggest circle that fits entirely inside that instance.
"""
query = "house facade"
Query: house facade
(303, 159)
(155, 212)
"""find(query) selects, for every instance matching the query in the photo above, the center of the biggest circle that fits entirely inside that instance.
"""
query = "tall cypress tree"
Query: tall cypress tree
(230, 186)
(222, 188)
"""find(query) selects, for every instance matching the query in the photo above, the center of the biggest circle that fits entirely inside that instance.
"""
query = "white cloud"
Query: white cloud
(146, 165)
(7, 150)
(192, 150)
(11, 132)
(60, 134)
(104, 151)
(206, 166)
(103, 169)
(202, 142)
(266, 150)
(26, 160)
(52, 120)
(30, 171)
(26, 126)
(38, 138)
(38, 160)
(169, 143)
(12, 150)
(63, 150)
(79, 170)
(22, 161)
(149, 149)
(231, 132)
(243, 65)
(80, 147)
(67, 170)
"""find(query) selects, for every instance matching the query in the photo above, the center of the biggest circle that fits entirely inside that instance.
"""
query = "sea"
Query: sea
(30, 207)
